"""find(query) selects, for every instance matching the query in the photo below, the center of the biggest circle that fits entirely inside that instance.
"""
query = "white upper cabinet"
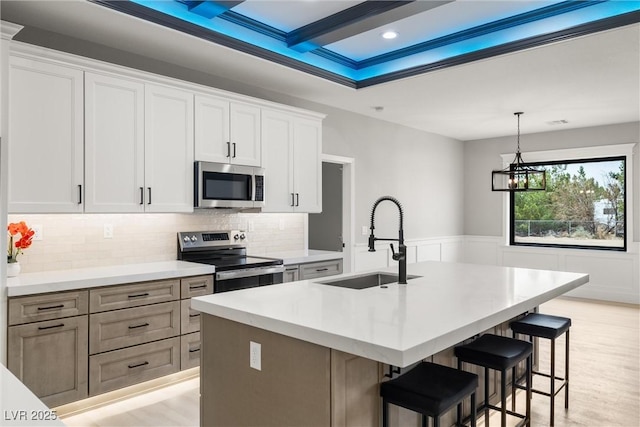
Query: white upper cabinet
(227, 131)
(292, 146)
(45, 150)
(114, 144)
(168, 149)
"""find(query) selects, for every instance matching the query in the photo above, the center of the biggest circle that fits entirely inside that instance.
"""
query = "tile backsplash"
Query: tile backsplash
(78, 240)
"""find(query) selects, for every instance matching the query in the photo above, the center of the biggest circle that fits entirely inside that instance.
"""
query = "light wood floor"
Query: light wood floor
(604, 378)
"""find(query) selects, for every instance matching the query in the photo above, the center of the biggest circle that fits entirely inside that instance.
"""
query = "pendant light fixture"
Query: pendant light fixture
(518, 176)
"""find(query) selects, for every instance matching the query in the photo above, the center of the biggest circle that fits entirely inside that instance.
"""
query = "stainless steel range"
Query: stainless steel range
(234, 268)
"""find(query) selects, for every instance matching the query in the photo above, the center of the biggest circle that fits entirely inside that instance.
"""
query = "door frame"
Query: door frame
(348, 208)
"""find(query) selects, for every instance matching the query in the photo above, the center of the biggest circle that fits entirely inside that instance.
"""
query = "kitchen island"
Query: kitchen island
(320, 351)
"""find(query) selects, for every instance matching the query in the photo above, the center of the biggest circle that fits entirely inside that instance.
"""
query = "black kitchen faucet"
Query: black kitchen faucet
(401, 255)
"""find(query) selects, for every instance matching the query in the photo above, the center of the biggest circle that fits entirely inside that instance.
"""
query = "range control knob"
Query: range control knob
(186, 239)
(194, 238)
(242, 236)
(236, 237)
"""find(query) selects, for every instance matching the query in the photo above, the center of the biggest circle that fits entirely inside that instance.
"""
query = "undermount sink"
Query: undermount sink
(366, 281)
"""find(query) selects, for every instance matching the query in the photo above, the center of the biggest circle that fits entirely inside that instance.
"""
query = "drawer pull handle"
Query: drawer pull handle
(42, 328)
(146, 294)
(194, 315)
(51, 307)
(198, 286)
(193, 350)
(322, 269)
(137, 365)
(138, 326)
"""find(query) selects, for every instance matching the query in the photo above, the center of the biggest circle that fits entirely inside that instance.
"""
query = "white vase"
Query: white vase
(13, 269)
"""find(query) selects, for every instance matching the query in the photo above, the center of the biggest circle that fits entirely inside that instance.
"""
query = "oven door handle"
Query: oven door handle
(249, 272)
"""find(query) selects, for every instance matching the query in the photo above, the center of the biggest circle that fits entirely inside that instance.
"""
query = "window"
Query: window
(584, 206)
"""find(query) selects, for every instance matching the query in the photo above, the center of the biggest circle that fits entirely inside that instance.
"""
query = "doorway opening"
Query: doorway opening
(332, 229)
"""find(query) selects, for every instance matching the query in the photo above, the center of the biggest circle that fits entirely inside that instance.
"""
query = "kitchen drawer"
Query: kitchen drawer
(121, 368)
(47, 306)
(196, 286)
(189, 318)
(314, 270)
(131, 326)
(137, 294)
(190, 351)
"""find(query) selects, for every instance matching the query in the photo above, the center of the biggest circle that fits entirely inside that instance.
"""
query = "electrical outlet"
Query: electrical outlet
(255, 355)
(365, 230)
(108, 231)
(37, 232)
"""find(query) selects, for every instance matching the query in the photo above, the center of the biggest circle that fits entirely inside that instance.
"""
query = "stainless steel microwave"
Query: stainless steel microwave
(221, 185)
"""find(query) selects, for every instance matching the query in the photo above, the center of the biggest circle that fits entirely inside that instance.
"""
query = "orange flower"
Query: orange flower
(26, 238)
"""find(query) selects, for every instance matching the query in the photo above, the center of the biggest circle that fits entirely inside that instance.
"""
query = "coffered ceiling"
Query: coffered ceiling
(457, 68)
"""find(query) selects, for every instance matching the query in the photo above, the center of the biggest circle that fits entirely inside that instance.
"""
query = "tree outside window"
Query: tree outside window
(583, 206)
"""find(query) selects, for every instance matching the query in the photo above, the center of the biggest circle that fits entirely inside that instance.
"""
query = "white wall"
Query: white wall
(614, 276)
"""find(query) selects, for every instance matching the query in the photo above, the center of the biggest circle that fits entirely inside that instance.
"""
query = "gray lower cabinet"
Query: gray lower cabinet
(66, 346)
(120, 368)
(190, 350)
(51, 356)
(291, 273)
(313, 270)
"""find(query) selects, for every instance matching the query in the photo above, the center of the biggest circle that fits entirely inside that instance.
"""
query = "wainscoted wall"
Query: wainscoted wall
(614, 276)
(77, 241)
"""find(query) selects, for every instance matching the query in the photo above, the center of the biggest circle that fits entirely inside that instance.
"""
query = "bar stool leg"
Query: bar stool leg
(553, 380)
(529, 375)
(566, 371)
(473, 410)
(503, 393)
(513, 388)
(424, 421)
(486, 396)
(436, 422)
(385, 413)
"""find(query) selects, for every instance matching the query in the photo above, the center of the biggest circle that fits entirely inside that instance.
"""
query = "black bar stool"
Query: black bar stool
(549, 327)
(430, 390)
(500, 354)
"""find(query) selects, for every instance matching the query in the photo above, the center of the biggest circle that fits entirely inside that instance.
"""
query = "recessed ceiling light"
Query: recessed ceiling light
(378, 108)
(557, 122)
(389, 35)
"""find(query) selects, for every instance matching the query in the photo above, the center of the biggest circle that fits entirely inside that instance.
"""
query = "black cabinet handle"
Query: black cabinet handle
(79, 194)
(322, 269)
(137, 365)
(194, 315)
(293, 199)
(234, 150)
(142, 195)
(197, 286)
(149, 201)
(297, 199)
(193, 350)
(51, 307)
(228, 148)
(146, 294)
(41, 328)
(138, 326)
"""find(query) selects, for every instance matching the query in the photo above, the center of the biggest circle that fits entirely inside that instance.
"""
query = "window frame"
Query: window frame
(575, 155)
(512, 227)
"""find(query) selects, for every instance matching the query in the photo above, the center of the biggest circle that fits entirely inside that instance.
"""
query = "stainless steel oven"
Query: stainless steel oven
(220, 185)
(234, 268)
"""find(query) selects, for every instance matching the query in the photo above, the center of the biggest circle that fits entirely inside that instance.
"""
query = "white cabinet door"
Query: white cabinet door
(114, 144)
(245, 134)
(307, 165)
(291, 158)
(226, 131)
(212, 140)
(168, 149)
(45, 137)
(277, 160)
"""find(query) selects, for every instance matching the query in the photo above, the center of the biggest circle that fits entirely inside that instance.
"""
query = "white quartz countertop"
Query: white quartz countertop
(305, 255)
(66, 280)
(20, 407)
(401, 324)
